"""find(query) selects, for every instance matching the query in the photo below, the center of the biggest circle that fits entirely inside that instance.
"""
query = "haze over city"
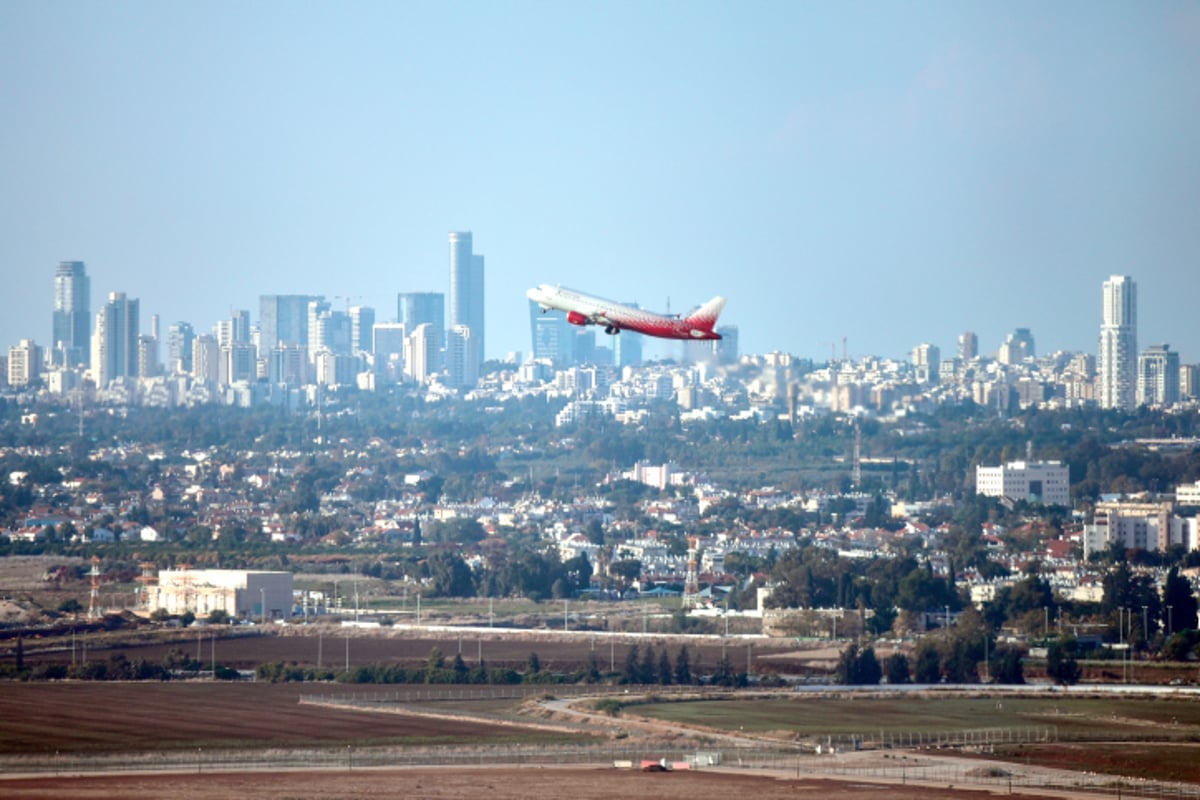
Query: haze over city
(891, 173)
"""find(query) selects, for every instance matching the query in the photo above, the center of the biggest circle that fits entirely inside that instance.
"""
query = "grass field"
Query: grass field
(1083, 718)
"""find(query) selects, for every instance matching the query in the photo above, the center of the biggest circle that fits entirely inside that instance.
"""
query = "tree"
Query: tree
(1006, 665)
(896, 668)
(858, 668)
(1179, 603)
(450, 575)
(928, 668)
(665, 673)
(683, 667)
(1061, 666)
(632, 671)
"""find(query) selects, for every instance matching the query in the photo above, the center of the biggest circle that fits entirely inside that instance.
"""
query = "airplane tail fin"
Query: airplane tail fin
(705, 317)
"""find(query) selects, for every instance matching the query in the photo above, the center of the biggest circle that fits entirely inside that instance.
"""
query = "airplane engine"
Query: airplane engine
(575, 318)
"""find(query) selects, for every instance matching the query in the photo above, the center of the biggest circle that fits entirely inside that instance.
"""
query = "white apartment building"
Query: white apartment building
(1188, 494)
(1144, 526)
(1046, 482)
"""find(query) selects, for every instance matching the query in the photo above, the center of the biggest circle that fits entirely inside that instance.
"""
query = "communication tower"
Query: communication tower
(94, 603)
(691, 584)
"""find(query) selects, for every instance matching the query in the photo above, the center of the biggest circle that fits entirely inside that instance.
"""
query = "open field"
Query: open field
(1150, 761)
(1073, 718)
(128, 717)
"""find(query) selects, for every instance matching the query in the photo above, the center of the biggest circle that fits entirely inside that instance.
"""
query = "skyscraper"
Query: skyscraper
(1158, 376)
(553, 337)
(71, 343)
(466, 288)
(424, 308)
(179, 347)
(362, 321)
(283, 319)
(968, 345)
(115, 340)
(1117, 359)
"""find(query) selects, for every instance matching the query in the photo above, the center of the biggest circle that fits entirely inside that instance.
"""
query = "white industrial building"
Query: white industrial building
(1045, 482)
(238, 592)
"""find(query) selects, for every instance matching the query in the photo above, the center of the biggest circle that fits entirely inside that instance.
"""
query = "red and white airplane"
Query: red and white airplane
(586, 309)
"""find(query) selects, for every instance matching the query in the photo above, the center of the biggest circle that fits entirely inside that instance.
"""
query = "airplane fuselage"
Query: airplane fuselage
(586, 309)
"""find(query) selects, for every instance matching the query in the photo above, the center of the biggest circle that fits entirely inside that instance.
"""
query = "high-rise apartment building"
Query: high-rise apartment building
(24, 363)
(419, 353)
(462, 362)
(1189, 381)
(424, 308)
(71, 342)
(1158, 376)
(927, 361)
(466, 288)
(179, 347)
(1017, 347)
(206, 359)
(115, 340)
(1117, 359)
(362, 323)
(968, 345)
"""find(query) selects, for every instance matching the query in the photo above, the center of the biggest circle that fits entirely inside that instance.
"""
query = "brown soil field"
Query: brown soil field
(40, 718)
(1153, 761)
(470, 783)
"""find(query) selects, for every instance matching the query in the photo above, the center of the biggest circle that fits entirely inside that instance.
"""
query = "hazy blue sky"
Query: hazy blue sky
(891, 172)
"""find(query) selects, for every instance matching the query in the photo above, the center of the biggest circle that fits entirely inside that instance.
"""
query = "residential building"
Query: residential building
(927, 361)
(1158, 376)
(179, 348)
(24, 363)
(115, 340)
(362, 322)
(424, 308)
(1117, 358)
(968, 345)
(462, 358)
(1141, 526)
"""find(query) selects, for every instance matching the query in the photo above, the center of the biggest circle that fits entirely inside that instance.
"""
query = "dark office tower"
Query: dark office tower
(115, 344)
(466, 288)
(72, 339)
(179, 347)
(283, 319)
(424, 308)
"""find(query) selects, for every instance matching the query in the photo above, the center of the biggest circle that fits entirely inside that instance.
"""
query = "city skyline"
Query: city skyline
(889, 173)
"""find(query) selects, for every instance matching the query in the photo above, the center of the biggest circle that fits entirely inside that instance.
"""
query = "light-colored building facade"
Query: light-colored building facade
(466, 288)
(1158, 376)
(238, 592)
(24, 363)
(1046, 482)
(1117, 359)
(1143, 526)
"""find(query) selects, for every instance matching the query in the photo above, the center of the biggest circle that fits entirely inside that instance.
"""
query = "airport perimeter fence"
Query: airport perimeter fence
(629, 755)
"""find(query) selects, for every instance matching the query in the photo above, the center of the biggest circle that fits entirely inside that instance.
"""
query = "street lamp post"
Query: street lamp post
(262, 593)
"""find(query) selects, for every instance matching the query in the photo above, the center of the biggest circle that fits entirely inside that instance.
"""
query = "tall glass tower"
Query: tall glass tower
(72, 338)
(1118, 345)
(466, 288)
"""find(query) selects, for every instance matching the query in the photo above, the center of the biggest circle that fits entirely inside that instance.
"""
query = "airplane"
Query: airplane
(586, 309)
